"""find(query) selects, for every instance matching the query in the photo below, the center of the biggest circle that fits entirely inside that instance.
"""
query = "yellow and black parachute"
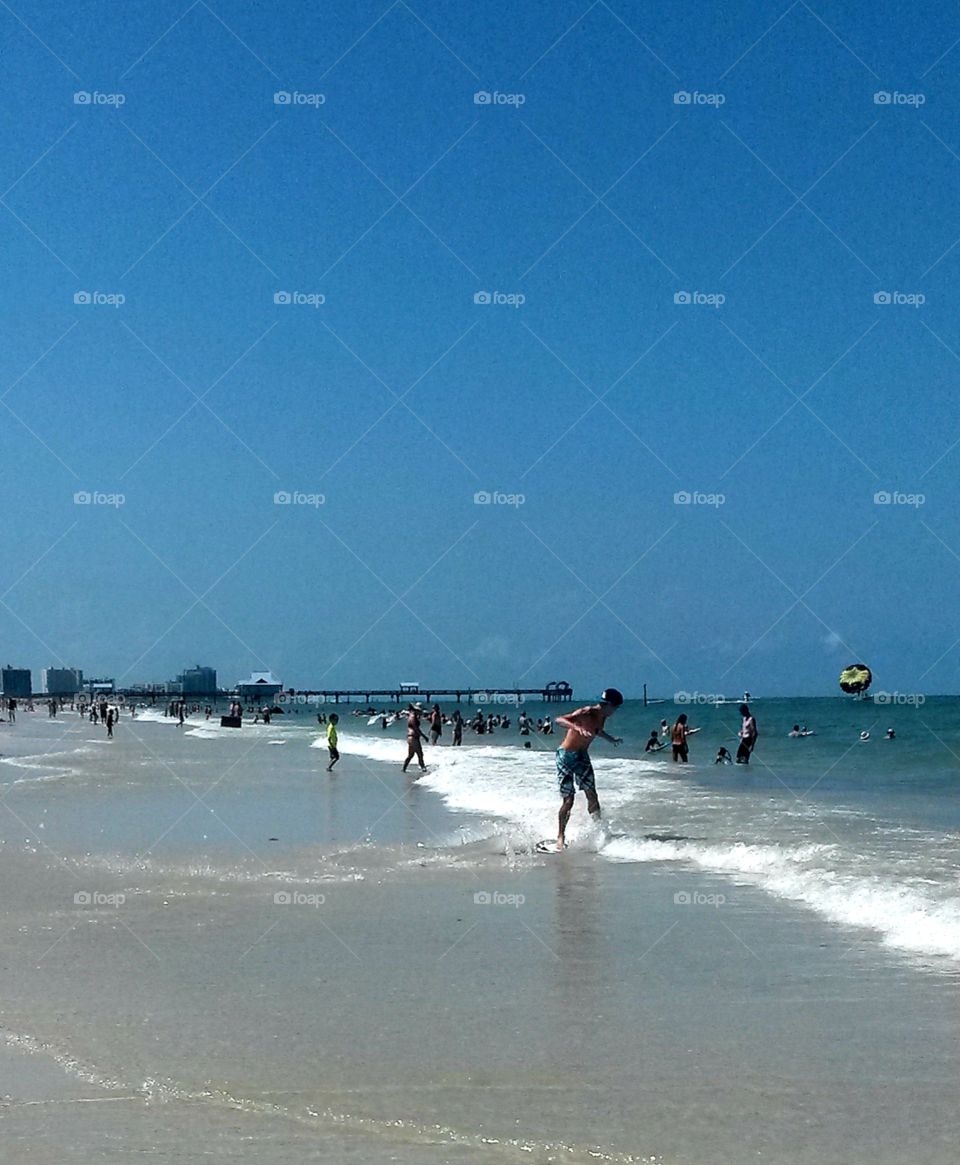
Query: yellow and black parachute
(856, 678)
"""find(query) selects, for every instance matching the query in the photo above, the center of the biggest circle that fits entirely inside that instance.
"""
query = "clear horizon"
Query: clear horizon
(601, 343)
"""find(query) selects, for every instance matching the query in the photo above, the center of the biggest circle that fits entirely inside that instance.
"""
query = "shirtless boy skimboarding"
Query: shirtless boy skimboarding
(574, 770)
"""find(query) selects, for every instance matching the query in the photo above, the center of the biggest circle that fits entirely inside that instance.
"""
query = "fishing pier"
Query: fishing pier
(556, 692)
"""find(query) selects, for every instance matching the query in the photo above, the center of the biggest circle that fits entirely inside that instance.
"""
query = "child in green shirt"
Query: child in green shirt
(332, 740)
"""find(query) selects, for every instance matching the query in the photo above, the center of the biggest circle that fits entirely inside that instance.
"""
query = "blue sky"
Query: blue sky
(783, 196)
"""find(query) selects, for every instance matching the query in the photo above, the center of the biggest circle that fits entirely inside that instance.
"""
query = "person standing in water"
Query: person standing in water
(332, 741)
(457, 727)
(748, 735)
(678, 738)
(574, 768)
(414, 736)
(436, 724)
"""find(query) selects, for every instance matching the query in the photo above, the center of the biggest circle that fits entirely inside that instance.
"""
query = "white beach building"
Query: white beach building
(262, 685)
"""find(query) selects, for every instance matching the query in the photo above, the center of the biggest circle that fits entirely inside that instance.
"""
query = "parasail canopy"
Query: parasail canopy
(856, 678)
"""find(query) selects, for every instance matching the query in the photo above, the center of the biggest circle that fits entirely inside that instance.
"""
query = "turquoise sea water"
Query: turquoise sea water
(863, 832)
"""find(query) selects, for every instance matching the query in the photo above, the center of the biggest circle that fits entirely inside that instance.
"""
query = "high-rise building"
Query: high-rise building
(62, 681)
(17, 681)
(198, 681)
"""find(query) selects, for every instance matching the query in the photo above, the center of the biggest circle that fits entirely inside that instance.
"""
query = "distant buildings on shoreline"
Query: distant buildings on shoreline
(68, 682)
(17, 682)
(62, 681)
(262, 685)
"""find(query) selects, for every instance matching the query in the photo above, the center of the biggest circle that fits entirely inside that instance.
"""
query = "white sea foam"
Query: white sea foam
(901, 912)
(861, 883)
(154, 716)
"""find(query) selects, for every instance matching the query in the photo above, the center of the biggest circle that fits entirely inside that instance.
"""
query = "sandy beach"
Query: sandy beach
(417, 987)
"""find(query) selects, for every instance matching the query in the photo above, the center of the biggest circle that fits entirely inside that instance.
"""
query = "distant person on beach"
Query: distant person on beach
(891, 735)
(654, 744)
(748, 735)
(332, 741)
(723, 757)
(414, 737)
(678, 738)
(794, 731)
(664, 732)
(436, 724)
(574, 768)
(12, 710)
(457, 727)
(111, 720)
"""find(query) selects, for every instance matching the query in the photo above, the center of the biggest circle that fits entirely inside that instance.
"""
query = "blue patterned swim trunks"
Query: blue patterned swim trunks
(574, 767)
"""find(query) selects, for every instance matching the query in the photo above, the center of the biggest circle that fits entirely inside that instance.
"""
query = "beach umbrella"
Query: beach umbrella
(856, 678)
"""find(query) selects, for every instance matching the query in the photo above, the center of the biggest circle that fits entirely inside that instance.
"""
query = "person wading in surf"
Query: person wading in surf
(574, 769)
(414, 736)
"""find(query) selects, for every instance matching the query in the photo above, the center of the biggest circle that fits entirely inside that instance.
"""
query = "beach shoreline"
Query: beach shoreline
(417, 984)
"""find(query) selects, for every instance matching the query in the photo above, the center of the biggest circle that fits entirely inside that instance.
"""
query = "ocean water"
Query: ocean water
(865, 833)
(214, 949)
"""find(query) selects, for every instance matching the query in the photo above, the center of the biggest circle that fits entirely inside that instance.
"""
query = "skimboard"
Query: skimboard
(548, 846)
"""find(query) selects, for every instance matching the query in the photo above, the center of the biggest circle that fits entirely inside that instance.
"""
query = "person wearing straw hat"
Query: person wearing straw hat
(414, 736)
